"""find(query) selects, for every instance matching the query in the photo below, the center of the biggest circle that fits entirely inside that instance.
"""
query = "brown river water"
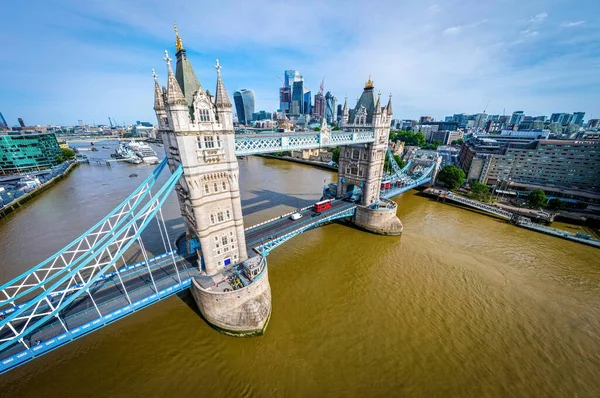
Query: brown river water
(461, 305)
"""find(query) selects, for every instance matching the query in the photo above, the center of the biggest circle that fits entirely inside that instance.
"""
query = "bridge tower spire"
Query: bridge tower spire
(199, 136)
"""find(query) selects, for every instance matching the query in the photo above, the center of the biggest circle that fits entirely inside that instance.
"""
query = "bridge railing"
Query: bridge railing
(277, 218)
(289, 232)
(257, 144)
(480, 206)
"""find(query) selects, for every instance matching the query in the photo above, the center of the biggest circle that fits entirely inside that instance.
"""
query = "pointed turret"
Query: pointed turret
(174, 94)
(324, 128)
(377, 108)
(186, 77)
(159, 104)
(389, 106)
(221, 97)
(345, 112)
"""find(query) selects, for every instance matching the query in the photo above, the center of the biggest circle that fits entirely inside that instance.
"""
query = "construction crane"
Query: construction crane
(322, 86)
(111, 123)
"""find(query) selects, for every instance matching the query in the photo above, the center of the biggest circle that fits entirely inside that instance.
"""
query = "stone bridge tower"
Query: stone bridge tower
(197, 131)
(361, 166)
(199, 135)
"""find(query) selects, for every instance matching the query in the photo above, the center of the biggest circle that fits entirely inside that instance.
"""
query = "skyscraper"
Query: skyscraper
(244, 105)
(307, 101)
(330, 108)
(297, 97)
(318, 111)
(290, 77)
(517, 117)
(285, 99)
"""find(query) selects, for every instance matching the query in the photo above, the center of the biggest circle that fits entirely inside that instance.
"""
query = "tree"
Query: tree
(335, 154)
(451, 176)
(420, 138)
(336, 128)
(457, 142)
(434, 145)
(537, 198)
(557, 204)
(478, 190)
(317, 129)
(67, 153)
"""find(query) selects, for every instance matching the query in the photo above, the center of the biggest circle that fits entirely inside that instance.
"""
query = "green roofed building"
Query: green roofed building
(23, 153)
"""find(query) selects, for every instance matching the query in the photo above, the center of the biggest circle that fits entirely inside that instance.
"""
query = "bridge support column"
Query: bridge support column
(244, 312)
(381, 220)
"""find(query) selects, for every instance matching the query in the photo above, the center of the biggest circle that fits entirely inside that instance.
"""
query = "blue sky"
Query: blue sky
(90, 59)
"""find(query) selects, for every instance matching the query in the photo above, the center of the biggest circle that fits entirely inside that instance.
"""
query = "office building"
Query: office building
(425, 119)
(27, 152)
(517, 117)
(262, 115)
(566, 168)
(244, 105)
(339, 113)
(578, 118)
(318, 111)
(593, 123)
(330, 108)
(297, 107)
(285, 99)
(307, 101)
(290, 77)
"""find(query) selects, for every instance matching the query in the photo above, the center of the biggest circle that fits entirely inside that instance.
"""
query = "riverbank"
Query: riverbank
(520, 219)
(18, 203)
(302, 161)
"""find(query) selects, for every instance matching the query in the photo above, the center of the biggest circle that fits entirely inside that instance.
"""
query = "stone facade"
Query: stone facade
(200, 136)
(382, 221)
(242, 312)
(361, 166)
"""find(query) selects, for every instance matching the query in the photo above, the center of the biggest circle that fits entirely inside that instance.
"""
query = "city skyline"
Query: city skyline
(97, 60)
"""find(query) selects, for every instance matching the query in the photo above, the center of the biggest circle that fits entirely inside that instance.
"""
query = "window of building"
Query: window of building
(220, 216)
(212, 218)
(224, 240)
(209, 141)
(204, 115)
(355, 154)
(229, 216)
(224, 186)
(206, 189)
(216, 187)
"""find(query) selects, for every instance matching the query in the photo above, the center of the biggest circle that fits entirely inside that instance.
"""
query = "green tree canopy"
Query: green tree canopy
(537, 198)
(335, 154)
(451, 176)
(457, 142)
(67, 153)
(317, 129)
(557, 204)
(336, 128)
(479, 190)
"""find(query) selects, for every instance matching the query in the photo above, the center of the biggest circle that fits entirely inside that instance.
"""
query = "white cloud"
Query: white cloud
(572, 24)
(459, 28)
(434, 8)
(539, 17)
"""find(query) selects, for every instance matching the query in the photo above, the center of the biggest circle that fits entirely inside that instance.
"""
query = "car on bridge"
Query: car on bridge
(296, 216)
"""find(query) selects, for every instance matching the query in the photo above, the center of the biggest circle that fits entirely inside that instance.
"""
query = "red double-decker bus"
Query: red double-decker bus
(322, 206)
(386, 185)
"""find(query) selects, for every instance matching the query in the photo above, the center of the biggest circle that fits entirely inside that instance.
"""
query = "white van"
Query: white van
(296, 216)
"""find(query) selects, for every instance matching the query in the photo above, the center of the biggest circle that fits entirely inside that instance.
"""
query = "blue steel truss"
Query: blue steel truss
(47, 299)
(286, 234)
(36, 280)
(253, 144)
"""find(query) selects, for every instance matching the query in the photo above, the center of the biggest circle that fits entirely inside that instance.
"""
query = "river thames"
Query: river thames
(461, 305)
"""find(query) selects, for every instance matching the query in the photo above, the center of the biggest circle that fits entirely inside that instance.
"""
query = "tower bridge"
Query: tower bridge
(91, 283)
